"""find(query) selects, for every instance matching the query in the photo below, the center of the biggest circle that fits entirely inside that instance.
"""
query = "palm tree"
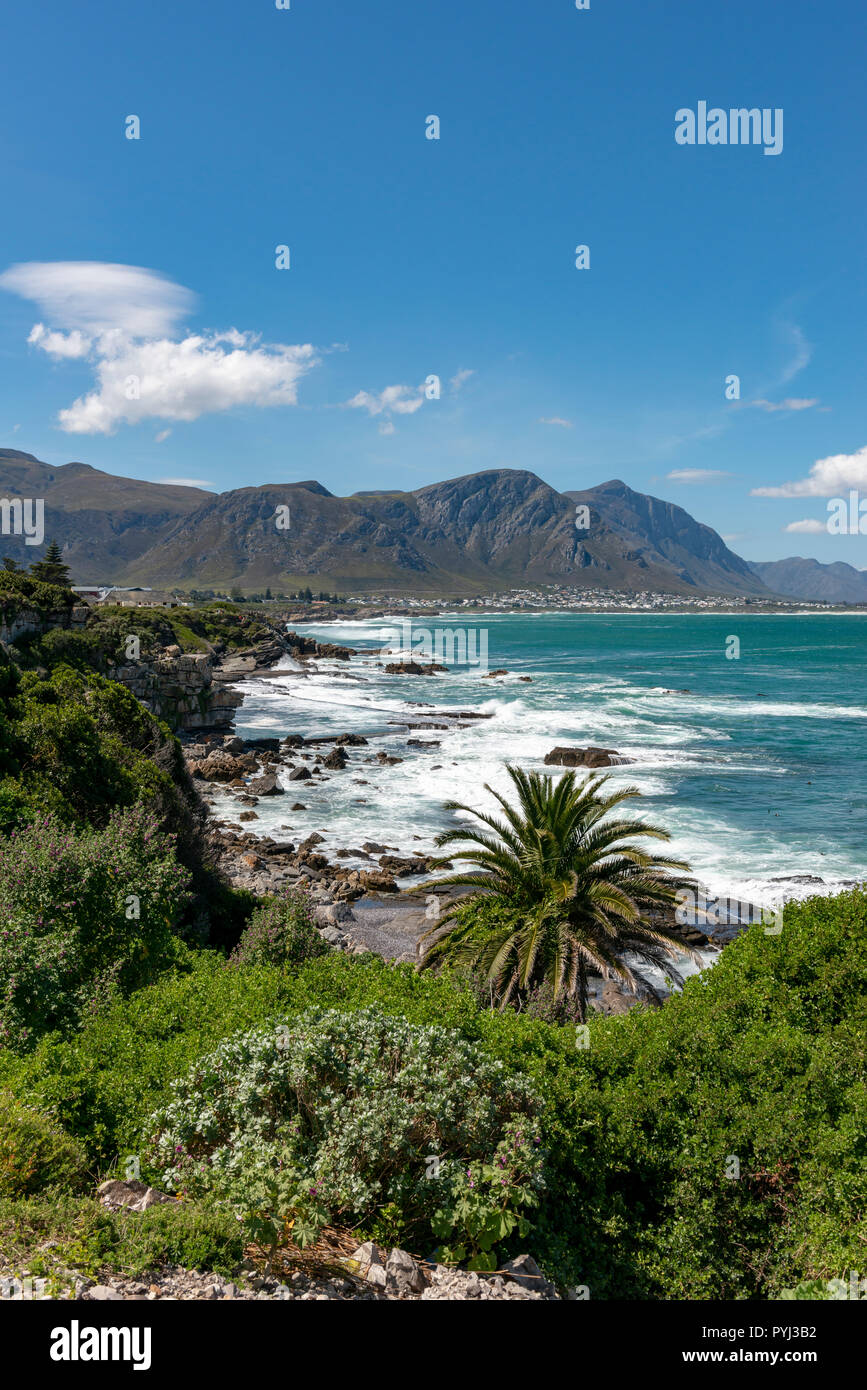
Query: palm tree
(572, 887)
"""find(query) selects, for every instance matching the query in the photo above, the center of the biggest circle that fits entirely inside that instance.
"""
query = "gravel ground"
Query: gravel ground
(390, 928)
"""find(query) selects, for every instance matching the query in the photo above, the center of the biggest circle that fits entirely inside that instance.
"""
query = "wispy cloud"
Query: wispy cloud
(555, 420)
(124, 321)
(791, 403)
(696, 475)
(162, 436)
(802, 351)
(676, 441)
(827, 478)
(457, 381)
(397, 400)
(186, 482)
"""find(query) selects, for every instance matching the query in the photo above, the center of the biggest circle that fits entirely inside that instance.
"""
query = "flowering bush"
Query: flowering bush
(339, 1118)
(283, 932)
(80, 913)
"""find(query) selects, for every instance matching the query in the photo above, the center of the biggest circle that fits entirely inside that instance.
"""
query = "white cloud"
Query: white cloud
(60, 345)
(139, 380)
(457, 381)
(96, 297)
(732, 536)
(791, 403)
(387, 427)
(555, 420)
(398, 400)
(123, 320)
(696, 475)
(827, 478)
(185, 482)
(807, 528)
(162, 436)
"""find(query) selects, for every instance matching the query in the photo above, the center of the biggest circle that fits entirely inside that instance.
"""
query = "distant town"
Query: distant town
(544, 597)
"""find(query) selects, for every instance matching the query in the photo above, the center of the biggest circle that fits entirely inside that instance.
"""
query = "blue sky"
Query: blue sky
(456, 257)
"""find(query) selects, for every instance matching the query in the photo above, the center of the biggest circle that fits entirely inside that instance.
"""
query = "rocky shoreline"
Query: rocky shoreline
(364, 905)
(360, 906)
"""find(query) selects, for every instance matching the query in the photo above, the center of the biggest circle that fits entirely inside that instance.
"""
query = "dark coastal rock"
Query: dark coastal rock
(336, 759)
(385, 759)
(797, 878)
(376, 881)
(421, 743)
(350, 741)
(307, 646)
(500, 671)
(224, 767)
(412, 668)
(394, 864)
(585, 757)
(300, 774)
(266, 786)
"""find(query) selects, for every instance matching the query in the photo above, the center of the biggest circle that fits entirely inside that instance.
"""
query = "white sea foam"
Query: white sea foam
(682, 746)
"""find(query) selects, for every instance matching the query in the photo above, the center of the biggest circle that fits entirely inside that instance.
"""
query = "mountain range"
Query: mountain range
(484, 532)
(799, 578)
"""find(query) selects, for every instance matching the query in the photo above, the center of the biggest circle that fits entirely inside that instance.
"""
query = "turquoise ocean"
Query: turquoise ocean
(756, 765)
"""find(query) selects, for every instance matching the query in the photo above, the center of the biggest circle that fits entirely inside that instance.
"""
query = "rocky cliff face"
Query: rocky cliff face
(652, 535)
(180, 688)
(16, 622)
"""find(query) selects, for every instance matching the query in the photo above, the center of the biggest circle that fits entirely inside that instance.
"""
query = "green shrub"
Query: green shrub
(281, 932)
(80, 914)
(35, 1152)
(82, 746)
(81, 1235)
(339, 1116)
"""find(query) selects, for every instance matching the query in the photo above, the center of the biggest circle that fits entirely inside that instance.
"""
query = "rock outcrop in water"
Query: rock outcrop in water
(585, 757)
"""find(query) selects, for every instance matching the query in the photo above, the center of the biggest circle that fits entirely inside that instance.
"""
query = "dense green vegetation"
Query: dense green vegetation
(711, 1148)
(759, 1060)
(20, 591)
